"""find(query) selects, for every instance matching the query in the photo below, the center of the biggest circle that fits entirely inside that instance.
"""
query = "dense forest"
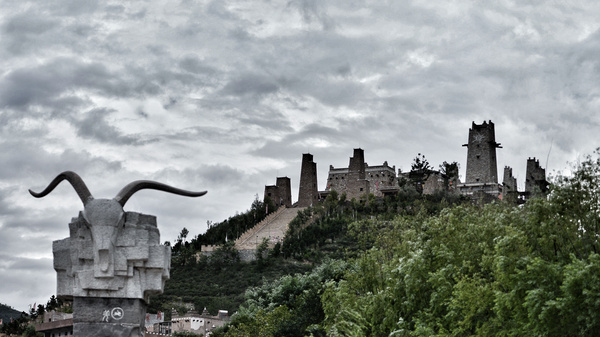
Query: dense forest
(413, 266)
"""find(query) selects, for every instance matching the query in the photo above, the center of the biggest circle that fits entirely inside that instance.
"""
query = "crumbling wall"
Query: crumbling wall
(535, 177)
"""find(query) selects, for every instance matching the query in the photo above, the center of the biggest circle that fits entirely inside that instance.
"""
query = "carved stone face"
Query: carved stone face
(105, 218)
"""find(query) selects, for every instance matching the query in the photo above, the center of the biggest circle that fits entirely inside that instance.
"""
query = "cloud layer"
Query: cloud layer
(227, 95)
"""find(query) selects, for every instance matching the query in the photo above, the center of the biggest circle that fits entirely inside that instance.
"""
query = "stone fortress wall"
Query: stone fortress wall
(359, 179)
(381, 177)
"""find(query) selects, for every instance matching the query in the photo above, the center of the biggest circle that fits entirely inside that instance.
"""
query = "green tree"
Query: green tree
(299, 294)
(451, 173)
(225, 255)
(261, 324)
(419, 172)
(262, 250)
(40, 310)
(16, 326)
(29, 331)
(53, 303)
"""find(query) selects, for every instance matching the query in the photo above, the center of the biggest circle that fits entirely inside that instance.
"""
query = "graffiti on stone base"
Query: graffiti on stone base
(116, 314)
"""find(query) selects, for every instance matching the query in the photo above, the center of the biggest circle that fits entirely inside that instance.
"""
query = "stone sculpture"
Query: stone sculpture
(112, 262)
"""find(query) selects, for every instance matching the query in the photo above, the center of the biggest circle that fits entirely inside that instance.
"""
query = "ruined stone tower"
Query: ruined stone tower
(482, 170)
(281, 192)
(535, 177)
(308, 192)
(509, 185)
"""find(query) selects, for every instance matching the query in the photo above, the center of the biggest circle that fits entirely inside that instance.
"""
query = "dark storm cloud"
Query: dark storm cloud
(215, 175)
(264, 119)
(20, 264)
(25, 277)
(7, 208)
(56, 82)
(23, 31)
(163, 78)
(212, 135)
(313, 10)
(292, 145)
(75, 8)
(250, 84)
(207, 176)
(366, 124)
(339, 93)
(28, 160)
(30, 222)
(17, 265)
(193, 64)
(45, 84)
(94, 125)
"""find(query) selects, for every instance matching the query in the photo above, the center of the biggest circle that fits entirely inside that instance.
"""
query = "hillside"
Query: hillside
(218, 284)
(221, 280)
(6, 313)
(465, 270)
(421, 266)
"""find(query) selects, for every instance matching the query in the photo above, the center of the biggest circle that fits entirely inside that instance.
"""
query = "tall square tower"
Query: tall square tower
(308, 192)
(481, 179)
(481, 154)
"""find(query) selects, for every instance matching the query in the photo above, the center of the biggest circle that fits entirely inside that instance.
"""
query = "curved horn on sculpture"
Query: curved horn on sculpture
(137, 185)
(82, 191)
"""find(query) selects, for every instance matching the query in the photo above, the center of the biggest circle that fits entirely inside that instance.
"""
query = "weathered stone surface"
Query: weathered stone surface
(123, 261)
(94, 316)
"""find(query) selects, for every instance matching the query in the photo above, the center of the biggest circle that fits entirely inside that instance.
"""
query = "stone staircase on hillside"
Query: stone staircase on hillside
(249, 233)
(272, 227)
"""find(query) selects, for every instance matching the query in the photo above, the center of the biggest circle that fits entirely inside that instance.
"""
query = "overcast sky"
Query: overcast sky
(226, 95)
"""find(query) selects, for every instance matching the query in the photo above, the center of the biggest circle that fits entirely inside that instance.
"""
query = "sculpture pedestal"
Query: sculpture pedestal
(107, 317)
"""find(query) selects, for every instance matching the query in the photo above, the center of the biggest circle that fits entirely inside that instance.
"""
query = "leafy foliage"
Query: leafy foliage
(493, 270)
(289, 306)
(464, 270)
(16, 326)
(262, 324)
(29, 331)
(420, 169)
